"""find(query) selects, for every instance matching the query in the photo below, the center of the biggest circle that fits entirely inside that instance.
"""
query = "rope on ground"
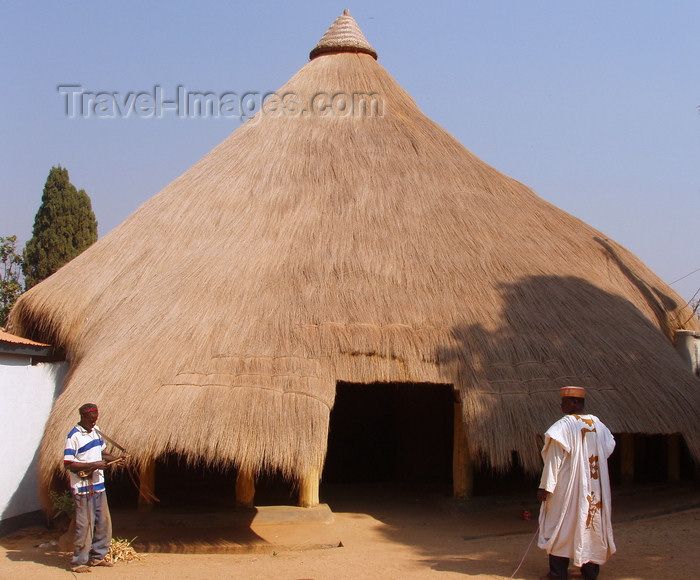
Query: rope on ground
(526, 551)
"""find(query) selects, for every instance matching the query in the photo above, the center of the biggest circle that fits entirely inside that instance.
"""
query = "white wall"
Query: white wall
(27, 394)
(687, 343)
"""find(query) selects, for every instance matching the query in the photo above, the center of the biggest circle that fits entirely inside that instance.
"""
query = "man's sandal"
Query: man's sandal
(80, 569)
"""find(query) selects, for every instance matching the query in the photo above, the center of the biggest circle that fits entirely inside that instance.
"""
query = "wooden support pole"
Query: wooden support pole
(673, 455)
(627, 458)
(462, 465)
(308, 489)
(245, 489)
(147, 485)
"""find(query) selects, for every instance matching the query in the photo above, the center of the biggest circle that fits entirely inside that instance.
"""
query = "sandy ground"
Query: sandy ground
(657, 532)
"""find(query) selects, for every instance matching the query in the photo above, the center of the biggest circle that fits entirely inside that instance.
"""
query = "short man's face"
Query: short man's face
(88, 420)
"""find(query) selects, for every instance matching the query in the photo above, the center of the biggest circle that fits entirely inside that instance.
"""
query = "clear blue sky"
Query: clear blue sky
(593, 104)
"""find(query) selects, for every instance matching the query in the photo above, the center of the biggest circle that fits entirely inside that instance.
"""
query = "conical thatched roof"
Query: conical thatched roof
(369, 246)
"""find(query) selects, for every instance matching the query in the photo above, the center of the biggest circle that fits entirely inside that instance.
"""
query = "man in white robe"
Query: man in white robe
(575, 491)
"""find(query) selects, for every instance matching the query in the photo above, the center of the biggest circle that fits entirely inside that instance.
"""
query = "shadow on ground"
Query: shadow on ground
(482, 536)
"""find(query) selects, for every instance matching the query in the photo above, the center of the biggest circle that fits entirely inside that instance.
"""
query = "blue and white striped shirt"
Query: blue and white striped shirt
(84, 447)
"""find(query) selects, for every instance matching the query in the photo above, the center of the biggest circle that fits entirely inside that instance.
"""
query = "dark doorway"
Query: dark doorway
(390, 432)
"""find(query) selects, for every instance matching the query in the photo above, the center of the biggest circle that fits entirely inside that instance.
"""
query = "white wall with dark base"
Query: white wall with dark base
(27, 393)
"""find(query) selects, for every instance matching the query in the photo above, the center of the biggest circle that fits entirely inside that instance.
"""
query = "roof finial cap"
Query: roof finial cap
(344, 35)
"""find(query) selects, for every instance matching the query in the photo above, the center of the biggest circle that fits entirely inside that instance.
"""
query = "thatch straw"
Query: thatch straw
(121, 550)
(304, 250)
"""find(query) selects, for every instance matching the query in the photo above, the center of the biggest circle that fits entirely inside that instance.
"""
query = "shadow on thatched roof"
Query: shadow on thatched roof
(516, 368)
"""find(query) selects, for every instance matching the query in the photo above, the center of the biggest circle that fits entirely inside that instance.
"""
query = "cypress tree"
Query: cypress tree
(64, 226)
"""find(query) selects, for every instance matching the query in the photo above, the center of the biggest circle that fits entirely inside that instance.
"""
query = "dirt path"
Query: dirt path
(418, 542)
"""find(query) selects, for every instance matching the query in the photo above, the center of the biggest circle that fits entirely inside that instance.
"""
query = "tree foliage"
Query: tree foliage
(64, 226)
(10, 275)
(695, 305)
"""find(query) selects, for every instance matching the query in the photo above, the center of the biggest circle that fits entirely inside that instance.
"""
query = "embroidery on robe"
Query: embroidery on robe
(594, 466)
(588, 422)
(584, 431)
(593, 509)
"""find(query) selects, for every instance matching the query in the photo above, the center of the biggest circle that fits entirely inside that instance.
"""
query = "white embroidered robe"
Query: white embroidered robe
(575, 520)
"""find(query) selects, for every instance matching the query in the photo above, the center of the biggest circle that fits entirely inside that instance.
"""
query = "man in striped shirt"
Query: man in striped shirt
(85, 458)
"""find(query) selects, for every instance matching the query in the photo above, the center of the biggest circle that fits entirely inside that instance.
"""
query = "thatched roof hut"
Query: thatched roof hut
(361, 243)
